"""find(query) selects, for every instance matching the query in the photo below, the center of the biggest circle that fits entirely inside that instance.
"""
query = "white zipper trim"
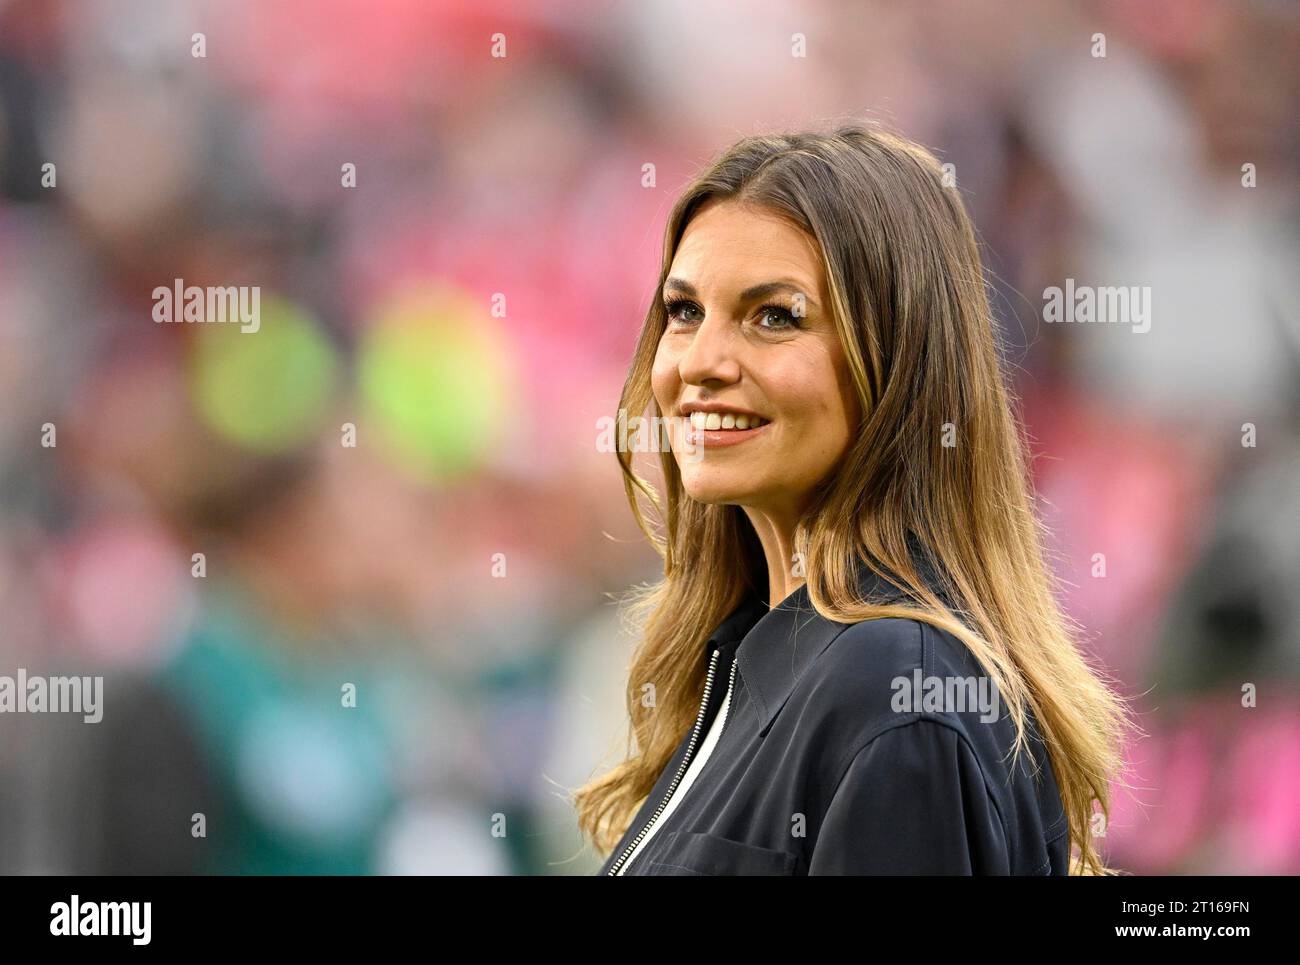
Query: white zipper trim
(686, 760)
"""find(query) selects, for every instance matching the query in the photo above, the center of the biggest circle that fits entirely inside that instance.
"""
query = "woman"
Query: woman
(854, 662)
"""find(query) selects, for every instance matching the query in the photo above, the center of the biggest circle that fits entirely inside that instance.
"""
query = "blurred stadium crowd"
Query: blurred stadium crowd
(482, 699)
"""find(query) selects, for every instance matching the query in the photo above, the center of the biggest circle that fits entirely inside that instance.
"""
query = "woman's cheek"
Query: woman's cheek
(663, 371)
(663, 389)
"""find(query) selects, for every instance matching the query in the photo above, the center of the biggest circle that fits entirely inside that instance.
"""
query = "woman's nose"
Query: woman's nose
(710, 354)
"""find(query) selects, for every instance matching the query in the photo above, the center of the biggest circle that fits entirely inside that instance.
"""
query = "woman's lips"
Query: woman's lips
(719, 438)
(701, 419)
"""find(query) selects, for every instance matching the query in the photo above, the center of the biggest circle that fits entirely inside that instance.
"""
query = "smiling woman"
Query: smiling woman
(860, 515)
(739, 342)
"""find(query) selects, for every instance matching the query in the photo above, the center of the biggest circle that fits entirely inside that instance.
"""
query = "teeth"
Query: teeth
(715, 420)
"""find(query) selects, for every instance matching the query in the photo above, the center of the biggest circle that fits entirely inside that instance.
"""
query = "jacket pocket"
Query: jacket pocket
(694, 853)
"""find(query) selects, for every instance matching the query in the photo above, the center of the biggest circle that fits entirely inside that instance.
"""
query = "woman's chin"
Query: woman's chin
(717, 494)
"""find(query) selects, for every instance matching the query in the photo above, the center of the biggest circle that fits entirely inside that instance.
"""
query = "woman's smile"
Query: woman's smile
(715, 434)
(712, 425)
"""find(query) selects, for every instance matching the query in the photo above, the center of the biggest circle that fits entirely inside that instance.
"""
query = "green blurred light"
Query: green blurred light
(434, 380)
(266, 390)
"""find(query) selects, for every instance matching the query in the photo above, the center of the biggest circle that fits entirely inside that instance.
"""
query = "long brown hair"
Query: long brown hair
(938, 459)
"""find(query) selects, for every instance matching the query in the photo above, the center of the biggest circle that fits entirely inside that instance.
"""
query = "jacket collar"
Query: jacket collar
(774, 646)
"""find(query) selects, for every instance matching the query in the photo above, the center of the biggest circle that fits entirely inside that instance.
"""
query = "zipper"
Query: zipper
(686, 761)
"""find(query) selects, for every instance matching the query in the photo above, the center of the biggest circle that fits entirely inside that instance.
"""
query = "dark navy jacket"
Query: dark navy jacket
(823, 768)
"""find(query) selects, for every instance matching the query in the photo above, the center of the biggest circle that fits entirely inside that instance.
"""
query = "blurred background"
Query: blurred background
(469, 307)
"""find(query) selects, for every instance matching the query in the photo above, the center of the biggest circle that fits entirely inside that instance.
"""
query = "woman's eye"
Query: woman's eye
(783, 317)
(676, 307)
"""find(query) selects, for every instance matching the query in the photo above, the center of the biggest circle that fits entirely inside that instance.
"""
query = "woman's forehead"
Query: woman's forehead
(736, 248)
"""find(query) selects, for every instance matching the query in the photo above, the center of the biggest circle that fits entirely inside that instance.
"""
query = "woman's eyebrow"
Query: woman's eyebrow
(751, 294)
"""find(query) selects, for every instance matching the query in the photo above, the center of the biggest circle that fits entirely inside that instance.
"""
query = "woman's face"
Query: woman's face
(748, 331)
